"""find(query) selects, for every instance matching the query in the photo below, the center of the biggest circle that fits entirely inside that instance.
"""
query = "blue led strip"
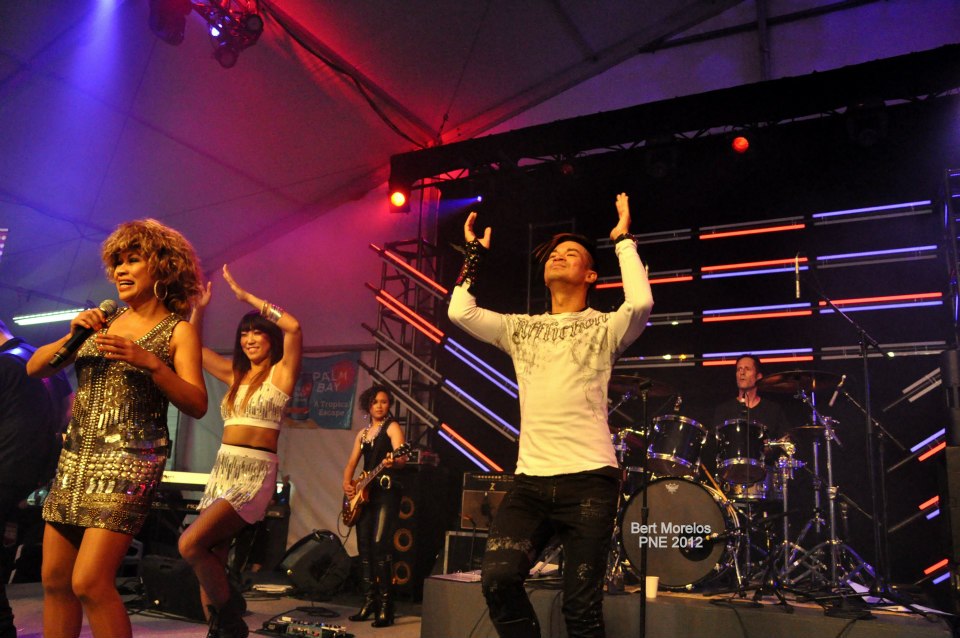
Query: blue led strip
(446, 437)
(870, 209)
(875, 253)
(942, 577)
(481, 407)
(482, 367)
(930, 439)
(913, 304)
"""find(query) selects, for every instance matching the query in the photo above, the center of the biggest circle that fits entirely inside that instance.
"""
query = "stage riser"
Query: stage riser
(457, 610)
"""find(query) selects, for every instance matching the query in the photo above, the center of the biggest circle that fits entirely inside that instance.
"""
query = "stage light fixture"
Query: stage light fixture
(233, 25)
(399, 196)
(867, 122)
(168, 19)
(740, 144)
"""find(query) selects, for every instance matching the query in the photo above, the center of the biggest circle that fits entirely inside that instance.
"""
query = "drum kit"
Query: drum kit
(731, 530)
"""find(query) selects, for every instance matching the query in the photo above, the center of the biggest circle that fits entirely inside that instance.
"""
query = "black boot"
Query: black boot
(385, 591)
(370, 602)
(227, 621)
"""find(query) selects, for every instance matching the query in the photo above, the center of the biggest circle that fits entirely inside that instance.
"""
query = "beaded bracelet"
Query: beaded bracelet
(622, 237)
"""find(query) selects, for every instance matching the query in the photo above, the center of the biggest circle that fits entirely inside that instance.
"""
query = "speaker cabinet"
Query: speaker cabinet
(425, 505)
(171, 586)
(317, 565)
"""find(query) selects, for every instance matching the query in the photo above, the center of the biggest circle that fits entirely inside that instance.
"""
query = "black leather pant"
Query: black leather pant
(578, 508)
(375, 534)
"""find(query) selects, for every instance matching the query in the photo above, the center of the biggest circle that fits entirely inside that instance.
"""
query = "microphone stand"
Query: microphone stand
(878, 490)
(644, 515)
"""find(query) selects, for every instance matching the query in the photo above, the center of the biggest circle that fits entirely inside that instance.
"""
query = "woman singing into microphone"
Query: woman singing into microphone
(142, 358)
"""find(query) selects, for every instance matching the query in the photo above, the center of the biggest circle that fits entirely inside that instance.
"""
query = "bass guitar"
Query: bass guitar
(361, 489)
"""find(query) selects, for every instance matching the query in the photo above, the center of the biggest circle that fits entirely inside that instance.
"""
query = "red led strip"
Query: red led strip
(933, 501)
(926, 455)
(446, 428)
(935, 567)
(730, 362)
(753, 231)
(433, 337)
(419, 275)
(755, 264)
(653, 282)
(758, 315)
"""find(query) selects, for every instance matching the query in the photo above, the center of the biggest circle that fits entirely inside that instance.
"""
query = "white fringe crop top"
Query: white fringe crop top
(263, 410)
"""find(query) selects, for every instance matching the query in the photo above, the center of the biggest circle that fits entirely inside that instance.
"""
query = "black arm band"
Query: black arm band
(474, 253)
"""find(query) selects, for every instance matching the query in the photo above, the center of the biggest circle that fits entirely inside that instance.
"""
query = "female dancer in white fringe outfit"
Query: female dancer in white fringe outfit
(265, 367)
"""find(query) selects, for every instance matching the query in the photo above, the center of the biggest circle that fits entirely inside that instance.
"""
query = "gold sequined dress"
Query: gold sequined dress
(117, 442)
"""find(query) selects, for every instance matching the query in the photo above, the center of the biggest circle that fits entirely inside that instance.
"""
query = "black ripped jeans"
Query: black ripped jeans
(580, 509)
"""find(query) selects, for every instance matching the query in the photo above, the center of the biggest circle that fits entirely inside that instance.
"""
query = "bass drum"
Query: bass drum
(682, 514)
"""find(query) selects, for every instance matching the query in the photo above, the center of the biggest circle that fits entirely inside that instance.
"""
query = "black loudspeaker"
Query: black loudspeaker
(170, 585)
(317, 565)
(418, 540)
(950, 376)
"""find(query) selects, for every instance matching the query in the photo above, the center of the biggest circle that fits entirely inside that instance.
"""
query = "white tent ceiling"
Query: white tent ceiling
(101, 121)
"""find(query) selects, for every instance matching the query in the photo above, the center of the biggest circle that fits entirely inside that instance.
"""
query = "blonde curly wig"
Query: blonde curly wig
(170, 259)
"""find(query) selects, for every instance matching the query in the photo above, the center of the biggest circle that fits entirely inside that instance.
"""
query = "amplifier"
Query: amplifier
(482, 494)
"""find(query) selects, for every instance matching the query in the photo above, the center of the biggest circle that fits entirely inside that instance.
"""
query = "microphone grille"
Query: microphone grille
(108, 307)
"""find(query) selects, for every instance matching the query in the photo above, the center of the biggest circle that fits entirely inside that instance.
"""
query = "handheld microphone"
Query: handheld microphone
(107, 307)
(796, 275)
(836, 391)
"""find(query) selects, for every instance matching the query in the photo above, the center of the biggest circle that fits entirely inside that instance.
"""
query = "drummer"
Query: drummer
(749, 405)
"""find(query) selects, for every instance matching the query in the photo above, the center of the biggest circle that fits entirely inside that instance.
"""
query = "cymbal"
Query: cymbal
(624, 383)
(794, 380)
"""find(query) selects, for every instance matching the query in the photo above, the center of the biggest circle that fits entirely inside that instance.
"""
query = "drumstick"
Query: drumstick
(707, 472)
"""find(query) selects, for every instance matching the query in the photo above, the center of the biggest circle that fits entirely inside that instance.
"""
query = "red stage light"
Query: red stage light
(398, 199)
(740, 144)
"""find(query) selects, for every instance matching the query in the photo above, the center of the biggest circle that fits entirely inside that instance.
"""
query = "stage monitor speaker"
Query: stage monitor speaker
(317, 565)
(170, 586)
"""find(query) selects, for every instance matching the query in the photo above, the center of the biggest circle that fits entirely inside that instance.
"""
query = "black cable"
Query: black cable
(339, 69)
(847, 628)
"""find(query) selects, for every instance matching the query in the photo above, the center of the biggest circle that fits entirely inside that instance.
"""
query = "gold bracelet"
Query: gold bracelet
(271, 312)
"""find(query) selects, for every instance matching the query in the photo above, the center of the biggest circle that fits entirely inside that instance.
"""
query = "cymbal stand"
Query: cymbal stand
(836, 548)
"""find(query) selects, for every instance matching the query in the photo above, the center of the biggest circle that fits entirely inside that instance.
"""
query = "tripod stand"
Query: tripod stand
(840, 556)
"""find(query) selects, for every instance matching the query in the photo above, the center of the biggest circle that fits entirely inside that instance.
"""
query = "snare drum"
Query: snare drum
(681, 516)
(768, 489)
(675, 444)
(740, 451)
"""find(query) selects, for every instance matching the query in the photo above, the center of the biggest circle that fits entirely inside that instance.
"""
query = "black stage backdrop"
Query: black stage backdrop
(790, 176)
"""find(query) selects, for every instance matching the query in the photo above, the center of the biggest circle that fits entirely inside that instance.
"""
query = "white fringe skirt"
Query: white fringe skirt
(245, 478)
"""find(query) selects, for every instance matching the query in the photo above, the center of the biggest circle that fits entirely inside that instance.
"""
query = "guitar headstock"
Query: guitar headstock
(403, 450)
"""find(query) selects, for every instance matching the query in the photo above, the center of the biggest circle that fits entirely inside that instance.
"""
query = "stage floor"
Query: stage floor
(453, 607)
(27, 602)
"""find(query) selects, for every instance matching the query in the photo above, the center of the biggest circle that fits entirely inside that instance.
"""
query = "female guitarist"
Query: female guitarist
(376, 444)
